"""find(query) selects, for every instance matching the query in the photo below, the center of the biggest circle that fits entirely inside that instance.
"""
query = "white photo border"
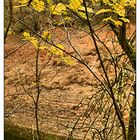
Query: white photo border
(2, 70)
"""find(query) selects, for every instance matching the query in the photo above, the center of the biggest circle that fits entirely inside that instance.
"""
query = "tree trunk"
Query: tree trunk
(121, 35)
(131, 134)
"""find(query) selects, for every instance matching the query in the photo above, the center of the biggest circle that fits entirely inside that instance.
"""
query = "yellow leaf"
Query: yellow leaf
(43, 47)
(68, 60)
(115, 22)
(60, 51)
(103, 11)
(46, 34)
(106, 1)
(60, 46)
(57, 51)
(75, 4)
(18, 6)
(83, 15)
(118, 23)
(49, 1)
(26, 35)
(23, 1)
(94, 1)
(38, 5)
(119, 9)
(132, 3)
(11, 33)
(54, 50)
(33, 40)
(89, 10)
(58, 9)
(107, 19)
(125, 20)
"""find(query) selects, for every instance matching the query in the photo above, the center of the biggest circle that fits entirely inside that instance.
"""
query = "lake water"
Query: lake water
(15, 133)
(8, 136)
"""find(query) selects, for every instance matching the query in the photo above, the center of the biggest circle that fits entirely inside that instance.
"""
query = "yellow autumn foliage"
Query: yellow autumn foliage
(114, 21)
(38, 5)
(26, 35)
(33, 40)
(56, 50)
(46, 34)
(103, 11)
(119, 9)
(58, 9)
(23, 1)
(75, 4)
(68, 60)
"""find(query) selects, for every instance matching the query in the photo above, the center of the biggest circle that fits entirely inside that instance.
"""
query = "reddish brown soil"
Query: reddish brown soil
(63, 86)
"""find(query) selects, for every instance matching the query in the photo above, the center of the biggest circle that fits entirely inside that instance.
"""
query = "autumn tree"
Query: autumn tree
(115, 75)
